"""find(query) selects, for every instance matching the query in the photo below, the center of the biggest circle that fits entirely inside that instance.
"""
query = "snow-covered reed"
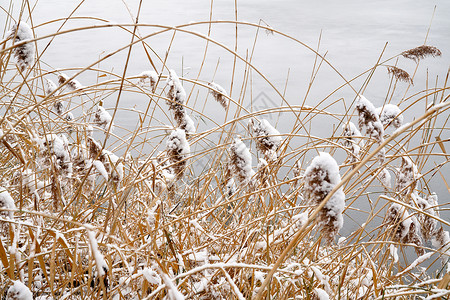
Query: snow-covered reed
(228, 206)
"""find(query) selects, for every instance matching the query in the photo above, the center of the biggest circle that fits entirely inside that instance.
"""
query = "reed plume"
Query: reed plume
(72, 84)
(176, 99)
(400, 74)
(152, 76)
(267, 138)
(421, 52)
(390, 114)
(407, 176)
(320, 178)
(405, 227)
(369, 119)
(24, 54)
(219, 94)
(241, 162)
(178, 150)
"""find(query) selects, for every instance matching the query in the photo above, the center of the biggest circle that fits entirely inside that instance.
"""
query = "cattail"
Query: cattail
(267, 138)
(219, 94)
(368, 119)
(151, 75)
(399, 74)
(71, 84)
(390, 114)
(231, 187)
(178, 150)
(103, 119)
(407, 176)
(297, 172)
(19, 291)
(421, 52)
(241, 162)
(69, 117)
(319, 179)
(24, 54)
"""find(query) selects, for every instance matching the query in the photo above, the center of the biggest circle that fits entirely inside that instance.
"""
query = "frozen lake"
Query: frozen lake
(351, 35)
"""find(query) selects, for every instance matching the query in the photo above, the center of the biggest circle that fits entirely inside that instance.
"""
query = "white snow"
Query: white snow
(385, 177)
(349, 134)
(71, 85)
(102, 267)
(415, 263)
(321, 176)
(265, 133)
(321, 294)
(368, 118)
(6, 201)
(24, 54)
(151, 276)
(390, 114)
(188, 124)
(19, 291)
(176, 90)
(177, 141)
(103, 118)
(151, 75)
(50, 87)
(393, 252)
(219, 93)
(172, 290)
(101, 168)
(242, 161)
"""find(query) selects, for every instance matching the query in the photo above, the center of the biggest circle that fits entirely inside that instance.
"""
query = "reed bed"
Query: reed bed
(171, 207)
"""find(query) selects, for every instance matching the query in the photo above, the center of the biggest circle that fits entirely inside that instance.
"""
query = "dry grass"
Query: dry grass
(109, 212)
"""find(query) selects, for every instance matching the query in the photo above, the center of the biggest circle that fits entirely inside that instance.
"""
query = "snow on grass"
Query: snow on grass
(19, 291)
(6, 201)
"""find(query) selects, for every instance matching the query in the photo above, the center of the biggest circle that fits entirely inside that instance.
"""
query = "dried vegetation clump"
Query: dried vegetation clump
(229, 207)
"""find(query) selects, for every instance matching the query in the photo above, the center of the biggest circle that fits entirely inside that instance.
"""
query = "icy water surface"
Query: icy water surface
(351, 34)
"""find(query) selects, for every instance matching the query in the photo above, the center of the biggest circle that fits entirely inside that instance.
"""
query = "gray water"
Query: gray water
(352, 33)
